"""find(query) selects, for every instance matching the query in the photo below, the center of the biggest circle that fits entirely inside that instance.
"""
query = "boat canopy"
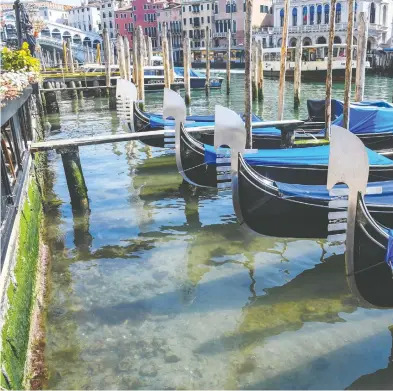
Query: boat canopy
(368, 119)
(320, 192)
(295, 157)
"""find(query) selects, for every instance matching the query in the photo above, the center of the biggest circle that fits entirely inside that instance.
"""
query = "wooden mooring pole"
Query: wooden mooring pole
(165, 57)
(260, 71)
(70, 57)
(186, 62)
(329, 72)
(362, 26)
(229, 62)
(207, 85)
(170, 55)
(65, 57)
(107, 59)
(283, 61)
(135, 58)
(297, 82)
(127, 58)
(149, 49)
(141, 61)
(121, 56)
(348, 64)
(254, 70)
(247, 73)
(75, 179)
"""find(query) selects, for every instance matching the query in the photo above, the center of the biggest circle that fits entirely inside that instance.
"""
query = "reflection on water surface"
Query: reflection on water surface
(159, 287)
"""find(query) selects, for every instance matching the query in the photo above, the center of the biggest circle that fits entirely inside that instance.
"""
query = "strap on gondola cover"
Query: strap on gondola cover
(389, 253)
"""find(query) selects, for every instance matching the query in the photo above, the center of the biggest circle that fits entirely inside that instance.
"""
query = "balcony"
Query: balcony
(304, 29)
(219, 35)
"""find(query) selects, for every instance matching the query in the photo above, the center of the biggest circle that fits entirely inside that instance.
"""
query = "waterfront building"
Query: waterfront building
(53, 12)
(86, 17)
(170, 14)
(107, 15)
(230, 14)
(309, 21)
(124, 20)
(196, 15)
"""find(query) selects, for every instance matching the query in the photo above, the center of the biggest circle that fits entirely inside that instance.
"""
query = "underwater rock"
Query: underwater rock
(148, 370)
(170, 357)
(125, 364)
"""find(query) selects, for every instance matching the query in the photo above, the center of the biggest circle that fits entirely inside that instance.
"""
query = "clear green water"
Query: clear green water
(159, 288)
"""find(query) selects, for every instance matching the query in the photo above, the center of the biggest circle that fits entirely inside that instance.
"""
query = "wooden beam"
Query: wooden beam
(186, 63)
(229, 61)
(247, 73)
(329, 72)
(109, 138)
(207, 85)
(362, 23)
(283, 61)
(297, 82)
(348, 64)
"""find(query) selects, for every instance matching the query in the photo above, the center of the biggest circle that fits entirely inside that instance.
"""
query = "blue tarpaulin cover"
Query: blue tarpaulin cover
(320, 192)
(368, 119)
(294, 156)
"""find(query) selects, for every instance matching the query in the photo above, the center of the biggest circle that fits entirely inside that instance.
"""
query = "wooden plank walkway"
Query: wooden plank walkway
(109, 138)
(75, 88)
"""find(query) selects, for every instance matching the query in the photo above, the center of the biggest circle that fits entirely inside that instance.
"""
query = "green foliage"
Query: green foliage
(15, 333)
(17, 60)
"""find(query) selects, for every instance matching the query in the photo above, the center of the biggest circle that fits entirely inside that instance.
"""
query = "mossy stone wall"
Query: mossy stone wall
(15, 333)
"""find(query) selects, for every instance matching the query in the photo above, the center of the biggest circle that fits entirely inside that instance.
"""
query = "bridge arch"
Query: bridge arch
(66, 35)
(77, 39)
(45, 32)
(56, 34)
(87, 42)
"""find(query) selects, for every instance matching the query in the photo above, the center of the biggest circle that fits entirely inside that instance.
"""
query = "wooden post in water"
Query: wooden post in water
(54, 58)
(297, 82)
(362, 23)
(329, 71)
(127, 58)
(70, 57)
(207, 85)
(229, 61)
(165, 57)
(247, 73)
(121, 56)
(107, 59)
(65, 57)
(283, 61)
(260, 71)
(149, 51)
(348, 64)
(170, 55)
(135, 57)
(141, 73)
(75, 179)
(98, 54)
(186, 62)
(254, 70)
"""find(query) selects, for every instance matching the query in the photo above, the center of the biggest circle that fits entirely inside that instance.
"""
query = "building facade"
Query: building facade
(196, 15)
(107, 15)
(230, 14)
(170, 15)
(53, 12)
(86, 17)
(309, 21)
(124, 20)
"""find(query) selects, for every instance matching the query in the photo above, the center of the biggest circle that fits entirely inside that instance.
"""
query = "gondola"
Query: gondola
(284, 210)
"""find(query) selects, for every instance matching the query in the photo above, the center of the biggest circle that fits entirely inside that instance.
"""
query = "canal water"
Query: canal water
(158, 287)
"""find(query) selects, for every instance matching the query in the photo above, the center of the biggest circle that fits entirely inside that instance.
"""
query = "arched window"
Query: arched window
(327, 8)
(372, 13)
(304, 15)
(321, 40)
(294, 17)
(338, 13)
(384, 12)
(103, 15)
(307, 41)
(337, 40)
(233, 6)
(110, 14)
(356, 11)
(282, 17)
(292, 43)
(312, 14)
(228, 8)
(319, 14)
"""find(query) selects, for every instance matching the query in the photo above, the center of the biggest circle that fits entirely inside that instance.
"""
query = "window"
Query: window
(282, 17)
(327, 9)
(208, 19)
(185, 21)
(189, 8)
(190, 20)
(234, 26)
(207, 6)
(201, 7)
(202, 20)
(117, 26)
(146, 33)
(134, 18)
(90, 27)
(184, 9)
(294, 17)
(110, 14)
(372, 13)
(312, 12)
(103, 6)
(228, 8)
(304, 16)
(216, 8)
(190, 33)
(134, 7)
(103, 15)
(145, 6)
(110, 25)
(319, 14)
(261, 9)
(145, 17)
(104, 25)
